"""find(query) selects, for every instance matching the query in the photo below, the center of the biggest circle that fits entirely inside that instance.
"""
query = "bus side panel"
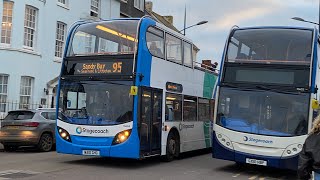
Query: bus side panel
(144, 58)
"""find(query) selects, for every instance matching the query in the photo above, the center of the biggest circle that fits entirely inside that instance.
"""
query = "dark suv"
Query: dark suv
(29, 128)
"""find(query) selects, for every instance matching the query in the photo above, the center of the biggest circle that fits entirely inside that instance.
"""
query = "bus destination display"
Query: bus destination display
(99, 68)
(96, 68)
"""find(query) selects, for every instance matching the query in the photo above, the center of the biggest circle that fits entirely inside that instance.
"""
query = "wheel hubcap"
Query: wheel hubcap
(47, 143)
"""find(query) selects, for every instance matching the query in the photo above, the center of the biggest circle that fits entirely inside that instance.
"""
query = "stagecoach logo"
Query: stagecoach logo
(81, 130)
(250, 139)
(185, 126)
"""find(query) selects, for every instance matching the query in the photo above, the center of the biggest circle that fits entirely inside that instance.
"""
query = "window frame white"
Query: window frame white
(139, 4)
(92, 6)
(24, 87)
(32, 42)
(63, 3)
(60, 39)
(3, 93)
(4, 31)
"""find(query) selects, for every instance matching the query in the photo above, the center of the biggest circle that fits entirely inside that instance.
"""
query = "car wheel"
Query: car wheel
(173, 147)
(9, 148)
(45, 143)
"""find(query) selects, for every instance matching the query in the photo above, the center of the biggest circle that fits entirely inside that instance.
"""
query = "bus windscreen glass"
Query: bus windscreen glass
(96, 103)
(104, 38)
(288, 46)
(263, 112)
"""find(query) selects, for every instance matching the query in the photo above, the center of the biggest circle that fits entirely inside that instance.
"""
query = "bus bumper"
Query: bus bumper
(128, 149)
(221, 152)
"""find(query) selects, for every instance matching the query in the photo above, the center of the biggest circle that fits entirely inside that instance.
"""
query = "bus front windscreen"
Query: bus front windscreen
(270, 45)
(95, 102)
(263, 112)
(104, 38)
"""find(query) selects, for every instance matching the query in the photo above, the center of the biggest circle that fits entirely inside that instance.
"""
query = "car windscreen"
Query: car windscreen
(19, 115)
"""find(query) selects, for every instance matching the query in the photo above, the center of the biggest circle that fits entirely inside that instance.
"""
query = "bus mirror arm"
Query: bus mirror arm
(141, 76)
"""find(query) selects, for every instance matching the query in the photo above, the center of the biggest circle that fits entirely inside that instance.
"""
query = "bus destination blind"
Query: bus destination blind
(100, 68)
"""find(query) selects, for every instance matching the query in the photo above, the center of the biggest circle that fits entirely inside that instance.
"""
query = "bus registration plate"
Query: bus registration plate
(256, 162)
(90, 153)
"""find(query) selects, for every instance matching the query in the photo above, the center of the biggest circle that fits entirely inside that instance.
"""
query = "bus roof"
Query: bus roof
(275, 27)
(167, 29)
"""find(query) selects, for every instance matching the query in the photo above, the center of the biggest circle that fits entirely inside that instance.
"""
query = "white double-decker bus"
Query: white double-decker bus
(265, 92)
(129, 89)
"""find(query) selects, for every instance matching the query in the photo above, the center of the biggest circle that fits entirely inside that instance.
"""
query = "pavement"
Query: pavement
(32, 165)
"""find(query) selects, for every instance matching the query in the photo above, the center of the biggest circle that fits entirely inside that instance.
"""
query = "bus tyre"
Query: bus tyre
(45, 143)
(9, 148)
(173, 147)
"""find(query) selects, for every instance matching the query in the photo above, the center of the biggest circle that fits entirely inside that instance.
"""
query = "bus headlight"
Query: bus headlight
(292, 150)
(225, 141)
(64, 134)
(121, 137)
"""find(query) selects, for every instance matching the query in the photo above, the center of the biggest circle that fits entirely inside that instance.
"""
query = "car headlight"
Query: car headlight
(121, 137)
(64, 134)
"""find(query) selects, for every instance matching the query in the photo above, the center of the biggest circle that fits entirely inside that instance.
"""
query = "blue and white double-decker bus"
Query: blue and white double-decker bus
(129, 89)
(265, 92)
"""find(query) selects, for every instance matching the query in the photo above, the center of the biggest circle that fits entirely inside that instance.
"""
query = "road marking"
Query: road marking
(236, 175)
(253, 177)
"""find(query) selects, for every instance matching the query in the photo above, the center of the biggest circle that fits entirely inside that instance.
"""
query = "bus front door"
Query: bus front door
(150, 121)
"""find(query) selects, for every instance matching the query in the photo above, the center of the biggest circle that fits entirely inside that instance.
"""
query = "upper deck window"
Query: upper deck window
(103, 38)
(292, 46)
(174, 49)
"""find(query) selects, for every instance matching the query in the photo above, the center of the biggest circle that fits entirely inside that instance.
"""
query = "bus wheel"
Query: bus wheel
(173, 147)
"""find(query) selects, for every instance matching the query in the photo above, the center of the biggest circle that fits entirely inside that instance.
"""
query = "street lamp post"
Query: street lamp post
(302, 20)
(198, 24)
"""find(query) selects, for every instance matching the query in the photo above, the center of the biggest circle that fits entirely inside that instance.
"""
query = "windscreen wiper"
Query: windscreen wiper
(275, 90)
(236, 86)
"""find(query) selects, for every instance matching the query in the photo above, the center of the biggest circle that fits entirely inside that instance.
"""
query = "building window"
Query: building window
(60, 38)
(173, 107)
(6, 22)
(3, 92)
(30, 26)
(95, 4)
(174, 49)
(63, 2)
(25, 92)
(155, 42)
(139, 4)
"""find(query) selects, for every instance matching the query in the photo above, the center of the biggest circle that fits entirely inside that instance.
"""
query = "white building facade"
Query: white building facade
(33, 35)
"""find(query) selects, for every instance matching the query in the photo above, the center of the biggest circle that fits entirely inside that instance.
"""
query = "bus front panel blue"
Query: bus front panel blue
(221, 152)
(127, 149)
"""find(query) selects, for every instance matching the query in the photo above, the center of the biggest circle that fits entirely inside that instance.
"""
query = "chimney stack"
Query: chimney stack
(149, 6)
(169, 19)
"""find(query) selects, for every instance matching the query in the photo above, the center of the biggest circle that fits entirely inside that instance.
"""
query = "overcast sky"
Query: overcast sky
(223, 14)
